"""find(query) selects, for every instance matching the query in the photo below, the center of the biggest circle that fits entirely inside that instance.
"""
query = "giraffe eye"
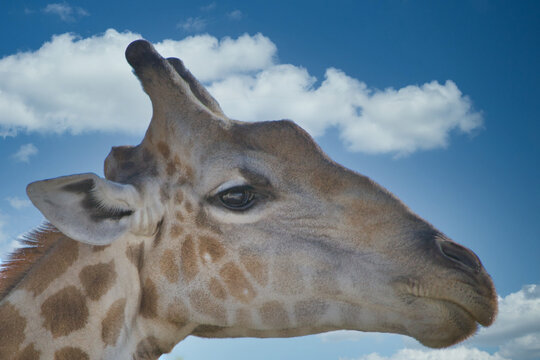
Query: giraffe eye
(237, 198)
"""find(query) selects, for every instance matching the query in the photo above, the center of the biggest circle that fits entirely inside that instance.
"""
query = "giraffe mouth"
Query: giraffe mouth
(478, 301)
(449, 313)
(458, 321)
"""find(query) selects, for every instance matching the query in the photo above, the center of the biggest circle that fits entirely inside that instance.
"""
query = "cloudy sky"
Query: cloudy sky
(436, 101)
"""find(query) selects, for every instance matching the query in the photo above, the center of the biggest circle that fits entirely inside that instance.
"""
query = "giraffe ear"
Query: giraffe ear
(85, 207)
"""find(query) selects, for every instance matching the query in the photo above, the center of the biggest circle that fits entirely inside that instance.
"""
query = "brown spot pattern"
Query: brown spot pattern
(147, 349)
(189, 259)
(70, 353)
(164, 194)
(97, 279)
(168, 266)
(211, 246)
(164, 149)
(98, 248)
(179, 196)
(113, 321)
(149, 299)
(307, 312)
(60, 259)
(243, 318)
(256, 268)
(135, 254)
(12, 326)
(217, 289)
(175, 232)
(188, 206)
(202, 303)
(188, 171)
(171, 168)
(64, 312)
(274, 315)
(179, 216)
(239, 287)
(177, 313)
(203, 222)
(28, 353)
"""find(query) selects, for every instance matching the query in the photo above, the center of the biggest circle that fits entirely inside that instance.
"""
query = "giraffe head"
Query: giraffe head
(249, 229)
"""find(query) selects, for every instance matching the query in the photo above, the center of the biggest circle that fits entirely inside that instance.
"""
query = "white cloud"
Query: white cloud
(390, 121)
(209, 7)
(65, 11)
(235, 15)
(192, 24)
(211, 60)
(456, 353)
(24, 153)
(84, 84)
(18, 203)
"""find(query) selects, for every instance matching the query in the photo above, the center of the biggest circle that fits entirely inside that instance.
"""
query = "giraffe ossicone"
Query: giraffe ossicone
(219, 228)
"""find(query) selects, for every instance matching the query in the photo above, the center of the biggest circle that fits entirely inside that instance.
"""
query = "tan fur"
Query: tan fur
(205, 304)
(65, 311)
(189, 259)
(169, 266)
(178, 313)
(210, 249)
(28, 353)
(11, 330)
(216, 289)
(149, 299)
(97, 279)
(274, 315)
(237, 283)
(70, 353)
(256, 268)
(113, 321)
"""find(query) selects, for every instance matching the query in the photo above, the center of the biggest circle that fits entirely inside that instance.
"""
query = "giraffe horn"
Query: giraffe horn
(196, 87)
(167, 81)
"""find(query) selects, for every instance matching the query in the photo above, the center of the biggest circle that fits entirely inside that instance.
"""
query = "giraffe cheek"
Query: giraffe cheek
(169, 267)
(237, 284)
(189, 266)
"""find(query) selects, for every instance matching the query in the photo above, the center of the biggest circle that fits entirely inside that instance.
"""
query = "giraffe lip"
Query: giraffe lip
(480, 303)
(484, 316)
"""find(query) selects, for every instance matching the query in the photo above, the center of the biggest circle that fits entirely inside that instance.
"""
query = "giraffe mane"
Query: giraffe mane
(35, 245)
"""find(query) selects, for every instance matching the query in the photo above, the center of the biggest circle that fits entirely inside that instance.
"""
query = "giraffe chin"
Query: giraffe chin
(453, 325)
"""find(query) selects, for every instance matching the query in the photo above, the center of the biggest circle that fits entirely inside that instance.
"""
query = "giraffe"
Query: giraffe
(219, 228)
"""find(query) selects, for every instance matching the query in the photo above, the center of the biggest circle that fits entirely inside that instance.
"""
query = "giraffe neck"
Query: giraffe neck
(84, 302)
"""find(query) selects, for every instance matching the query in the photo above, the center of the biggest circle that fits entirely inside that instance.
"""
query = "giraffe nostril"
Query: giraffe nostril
(460, 254)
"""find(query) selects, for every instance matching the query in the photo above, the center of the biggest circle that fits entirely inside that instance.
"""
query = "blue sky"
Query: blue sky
(452, 88)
